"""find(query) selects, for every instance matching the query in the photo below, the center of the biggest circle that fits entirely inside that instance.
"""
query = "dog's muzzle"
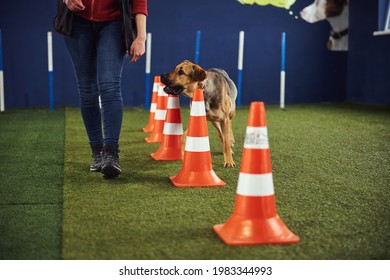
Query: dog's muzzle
(173, 90)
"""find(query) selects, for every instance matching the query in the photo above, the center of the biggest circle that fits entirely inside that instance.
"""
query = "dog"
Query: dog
(220, 95)
(336, 13)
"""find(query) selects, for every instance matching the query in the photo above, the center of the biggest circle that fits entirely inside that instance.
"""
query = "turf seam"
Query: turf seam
(31, 204)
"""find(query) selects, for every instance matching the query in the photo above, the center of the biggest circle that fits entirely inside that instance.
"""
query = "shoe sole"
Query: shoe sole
(95, 169)
(110, 171)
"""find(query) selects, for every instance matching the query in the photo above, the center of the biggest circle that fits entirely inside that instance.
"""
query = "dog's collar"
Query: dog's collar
(338, 35)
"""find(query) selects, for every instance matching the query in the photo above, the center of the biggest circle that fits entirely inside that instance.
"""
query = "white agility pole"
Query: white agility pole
(147, 69)
(282, 71)
(50, 69)
(240, 66)
(2, 107)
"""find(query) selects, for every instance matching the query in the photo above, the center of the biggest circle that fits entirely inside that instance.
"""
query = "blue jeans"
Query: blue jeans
(97, 50)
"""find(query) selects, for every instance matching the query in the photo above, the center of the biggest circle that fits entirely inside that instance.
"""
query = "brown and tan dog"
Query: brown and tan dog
(220, 95)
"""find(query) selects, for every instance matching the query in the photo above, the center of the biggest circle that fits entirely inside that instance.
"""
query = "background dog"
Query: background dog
(336, 12)
(220, 95)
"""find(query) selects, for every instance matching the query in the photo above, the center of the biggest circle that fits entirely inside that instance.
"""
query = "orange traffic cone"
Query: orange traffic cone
(159, 118)
(197, 168)
(153, 105)
(170, 148)
(254, 220)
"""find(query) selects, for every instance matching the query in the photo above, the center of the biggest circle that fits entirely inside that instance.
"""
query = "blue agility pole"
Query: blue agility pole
(282, 71)
(147, 69)
(2, 107)
(50, 69)
(197, 47)
(240, 66)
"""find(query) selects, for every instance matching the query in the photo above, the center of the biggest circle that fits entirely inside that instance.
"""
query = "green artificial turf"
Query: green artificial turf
(331, 175)
(31, 183)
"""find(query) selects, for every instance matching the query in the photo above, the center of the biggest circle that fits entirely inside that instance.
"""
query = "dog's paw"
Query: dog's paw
(229, 164)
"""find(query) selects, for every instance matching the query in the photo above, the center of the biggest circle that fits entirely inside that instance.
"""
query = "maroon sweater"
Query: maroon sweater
(105, 10)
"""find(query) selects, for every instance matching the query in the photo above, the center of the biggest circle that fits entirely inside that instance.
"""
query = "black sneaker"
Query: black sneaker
(97, 158)
(110, 167)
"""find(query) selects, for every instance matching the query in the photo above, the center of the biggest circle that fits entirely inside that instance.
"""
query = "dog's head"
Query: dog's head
(323, 9)
(185, 78)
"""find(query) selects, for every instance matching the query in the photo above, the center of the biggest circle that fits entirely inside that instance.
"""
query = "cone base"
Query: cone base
(245, 231)
(165, 154)
(196, 179)
(154, 138)
(147, 129)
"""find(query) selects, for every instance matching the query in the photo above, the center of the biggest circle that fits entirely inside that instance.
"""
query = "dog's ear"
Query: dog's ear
(198, 74)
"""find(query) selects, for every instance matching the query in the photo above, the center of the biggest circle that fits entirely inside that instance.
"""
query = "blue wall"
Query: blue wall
(368, 56)
(313, 74)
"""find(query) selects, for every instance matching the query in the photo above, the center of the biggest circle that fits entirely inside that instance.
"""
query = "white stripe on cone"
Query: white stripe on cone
(173, 129)
(255, 184)
(160, 115)
(256, 138)
(198, 109)
(161, 91)
(153, 107)
(173, 103)
(197, 144)
(156, 87)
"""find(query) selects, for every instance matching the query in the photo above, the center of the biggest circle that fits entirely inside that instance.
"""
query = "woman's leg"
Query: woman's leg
(110, 57)
(82, 48)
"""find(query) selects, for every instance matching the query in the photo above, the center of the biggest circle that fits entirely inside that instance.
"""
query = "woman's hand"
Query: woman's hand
(137, 49)
(75, 5)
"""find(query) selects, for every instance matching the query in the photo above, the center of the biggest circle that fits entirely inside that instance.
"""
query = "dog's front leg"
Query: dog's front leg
(227, 143)
(183, 142)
